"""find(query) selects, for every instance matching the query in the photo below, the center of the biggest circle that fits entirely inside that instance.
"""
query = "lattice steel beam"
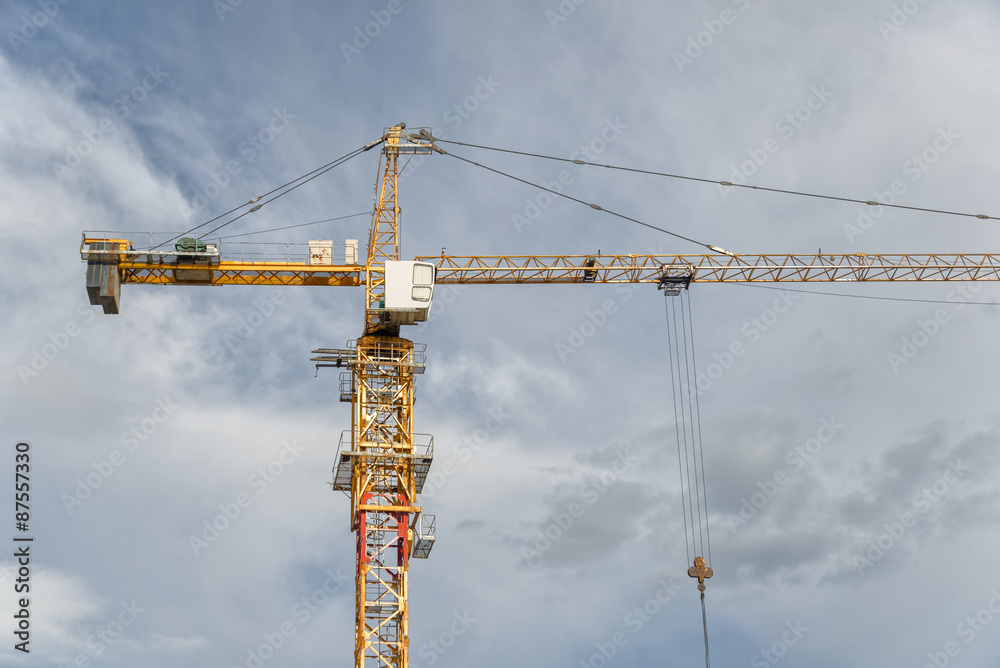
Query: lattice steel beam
(383, 240)
(383, 496)
(242, 273)
(858, 267)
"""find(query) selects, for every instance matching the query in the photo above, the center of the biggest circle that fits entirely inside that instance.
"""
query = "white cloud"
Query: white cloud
(496, 348)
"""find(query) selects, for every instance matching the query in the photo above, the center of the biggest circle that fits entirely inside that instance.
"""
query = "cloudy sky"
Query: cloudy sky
(850, 448)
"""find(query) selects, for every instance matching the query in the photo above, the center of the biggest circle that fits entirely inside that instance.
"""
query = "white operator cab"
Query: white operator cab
(409, 287)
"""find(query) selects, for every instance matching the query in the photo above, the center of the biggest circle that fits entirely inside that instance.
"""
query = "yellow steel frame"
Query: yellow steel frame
(775, 268)
(383, 494)
(484, 269)
(383, 240)
(243, 273)
(383, 483)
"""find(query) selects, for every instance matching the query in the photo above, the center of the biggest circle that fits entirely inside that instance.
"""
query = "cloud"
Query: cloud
(244, 389)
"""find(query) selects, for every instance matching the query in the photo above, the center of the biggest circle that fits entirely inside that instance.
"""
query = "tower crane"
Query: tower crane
(381, 464)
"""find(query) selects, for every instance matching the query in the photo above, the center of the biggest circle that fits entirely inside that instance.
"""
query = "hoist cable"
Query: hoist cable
(694, 411)
(704, 624)
(697, 424)
(677, 425)
(690, 421)
(688, 445)
(687, 421)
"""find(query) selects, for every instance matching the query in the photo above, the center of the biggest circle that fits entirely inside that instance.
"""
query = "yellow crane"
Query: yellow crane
(380, 462)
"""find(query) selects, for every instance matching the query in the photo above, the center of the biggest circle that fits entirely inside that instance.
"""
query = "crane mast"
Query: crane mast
(381, 458)
(381, 463)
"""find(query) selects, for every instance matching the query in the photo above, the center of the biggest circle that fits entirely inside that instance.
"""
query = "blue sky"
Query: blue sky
(878, 416)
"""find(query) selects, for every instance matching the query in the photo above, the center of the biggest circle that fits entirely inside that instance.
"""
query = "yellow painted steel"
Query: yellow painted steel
(383, 480)
(775, 268)
(383, 494)
(383, 239)
(508, 269)
(244, 273)
(391, 509)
